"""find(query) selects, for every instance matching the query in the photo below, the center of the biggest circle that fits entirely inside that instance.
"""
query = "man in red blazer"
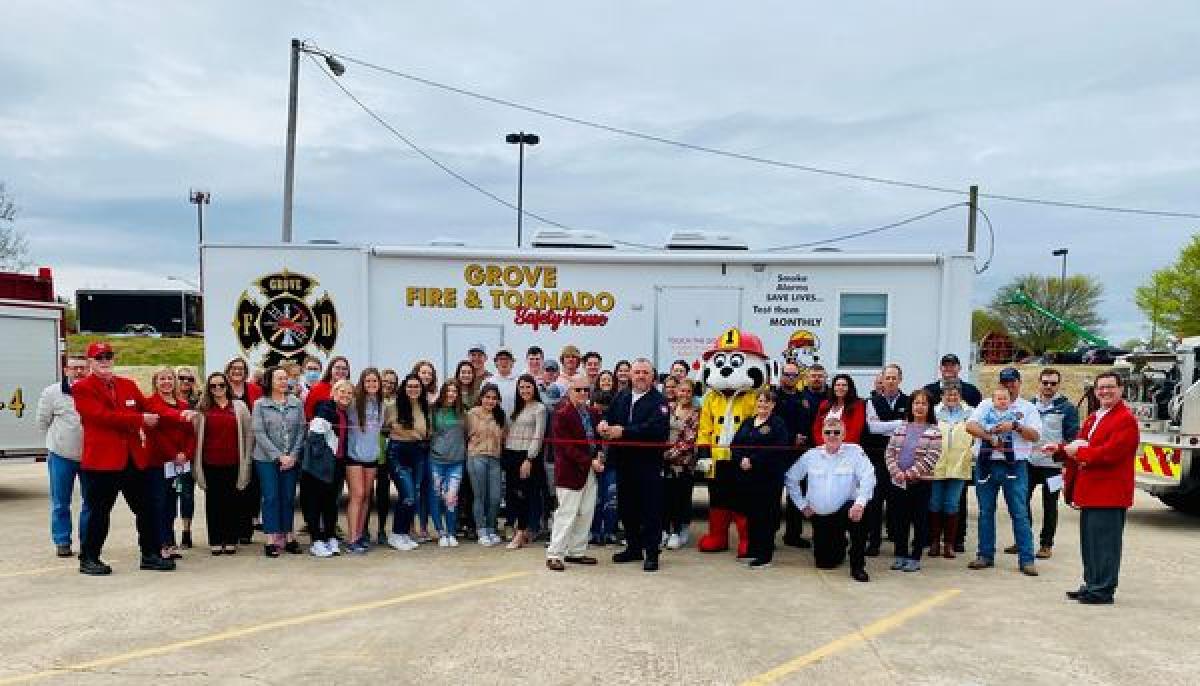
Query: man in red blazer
(575, 469)
(113, 411)
(1099, 483)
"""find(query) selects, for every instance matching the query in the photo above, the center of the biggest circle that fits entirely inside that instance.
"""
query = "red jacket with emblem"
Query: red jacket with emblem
(112, 423)
(172, 435)
(1101, 474)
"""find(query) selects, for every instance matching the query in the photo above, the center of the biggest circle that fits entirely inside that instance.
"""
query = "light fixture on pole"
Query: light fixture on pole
(200, 199)
(289, 163)
(521, 140)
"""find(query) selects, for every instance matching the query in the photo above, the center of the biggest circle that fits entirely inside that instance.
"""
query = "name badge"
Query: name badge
(130, 403)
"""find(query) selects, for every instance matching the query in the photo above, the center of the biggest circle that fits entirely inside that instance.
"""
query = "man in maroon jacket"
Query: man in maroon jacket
(1099, 483)
(575, 469)
(113, 412)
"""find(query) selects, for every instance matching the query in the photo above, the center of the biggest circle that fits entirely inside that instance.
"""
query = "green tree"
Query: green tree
(14, 249)
(1077, 300)
(984, 322)
(1170, 298)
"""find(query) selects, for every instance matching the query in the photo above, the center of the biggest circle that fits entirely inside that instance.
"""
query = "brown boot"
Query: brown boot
(951, 533)
(935, 533)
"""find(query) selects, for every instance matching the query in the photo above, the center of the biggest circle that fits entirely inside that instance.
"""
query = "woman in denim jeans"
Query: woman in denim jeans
(604, 520)
(485, 440)
(447, 456)
(408, 446)
(278, 419)
(423, 473)
(366, 421)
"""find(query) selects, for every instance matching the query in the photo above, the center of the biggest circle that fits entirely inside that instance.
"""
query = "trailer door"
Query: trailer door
(457, 338)
(687, 320)
(29, 362)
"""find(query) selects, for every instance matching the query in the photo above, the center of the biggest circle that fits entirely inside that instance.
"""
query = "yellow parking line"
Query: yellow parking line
(256, 629)
(876, 628)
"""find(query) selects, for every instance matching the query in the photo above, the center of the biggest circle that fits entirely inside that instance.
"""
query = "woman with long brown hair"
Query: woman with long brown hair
(222, 466)
(366, 423)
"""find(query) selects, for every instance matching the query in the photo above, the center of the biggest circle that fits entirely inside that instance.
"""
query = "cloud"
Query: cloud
(113, 111)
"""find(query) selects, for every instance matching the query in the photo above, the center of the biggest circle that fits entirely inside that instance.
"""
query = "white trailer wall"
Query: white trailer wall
(395, 305)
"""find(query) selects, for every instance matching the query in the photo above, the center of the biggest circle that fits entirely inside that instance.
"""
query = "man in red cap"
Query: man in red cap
(112, 409)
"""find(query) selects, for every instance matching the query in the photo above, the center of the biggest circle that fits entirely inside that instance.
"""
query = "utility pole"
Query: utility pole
(972, 209)
(200, 199)
(289, 163)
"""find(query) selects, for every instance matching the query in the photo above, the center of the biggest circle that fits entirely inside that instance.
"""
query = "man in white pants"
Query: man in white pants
(575, 468)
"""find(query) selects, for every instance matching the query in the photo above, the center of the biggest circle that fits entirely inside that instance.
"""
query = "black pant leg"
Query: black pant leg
(898, 513)
(100, 491)
(137, 497)
(961, 539)
(829, 541)
(383, 495)
(310, 505)
(764, 521)
(629, 506)
(858, 538)
(650, 476)
(918, 511)
(874, 515)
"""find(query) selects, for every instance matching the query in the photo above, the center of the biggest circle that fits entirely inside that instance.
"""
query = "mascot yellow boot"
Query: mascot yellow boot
(735, 369)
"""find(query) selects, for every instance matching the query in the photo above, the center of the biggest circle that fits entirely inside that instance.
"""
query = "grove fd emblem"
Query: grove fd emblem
(288, 321)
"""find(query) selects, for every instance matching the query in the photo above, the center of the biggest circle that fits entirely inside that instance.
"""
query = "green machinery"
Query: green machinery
(1023, 300)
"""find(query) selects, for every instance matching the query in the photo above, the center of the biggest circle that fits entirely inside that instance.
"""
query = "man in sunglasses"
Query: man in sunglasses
(1060, 424)
(113, 412)
(797, 413)
(841, 481)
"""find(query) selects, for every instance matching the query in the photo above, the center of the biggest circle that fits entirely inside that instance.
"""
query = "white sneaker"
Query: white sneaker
(665, 539)
(673, 542)
(396, 541)
(683, 538)
(319, 549)
(443, 542)
(332, 544)
(408, 541)
(453, 542)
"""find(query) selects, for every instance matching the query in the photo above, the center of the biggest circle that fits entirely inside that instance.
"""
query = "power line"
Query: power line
(991, 241)
(459, 177)
(754, 158)
(867, 232)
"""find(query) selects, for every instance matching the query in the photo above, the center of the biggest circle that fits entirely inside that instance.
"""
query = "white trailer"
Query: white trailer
(389, 306)
(30, 360)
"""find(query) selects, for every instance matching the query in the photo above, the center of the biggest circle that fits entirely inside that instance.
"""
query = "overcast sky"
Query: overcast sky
(111, 111)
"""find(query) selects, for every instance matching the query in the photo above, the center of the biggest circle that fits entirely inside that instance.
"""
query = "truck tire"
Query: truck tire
(1187, 503)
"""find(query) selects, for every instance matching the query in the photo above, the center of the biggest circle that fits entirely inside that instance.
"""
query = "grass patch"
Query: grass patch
(146, 351)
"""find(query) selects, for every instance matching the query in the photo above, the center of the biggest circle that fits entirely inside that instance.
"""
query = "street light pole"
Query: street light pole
(521, 140)
(1062, 280)
(289, 159)
(200, 199)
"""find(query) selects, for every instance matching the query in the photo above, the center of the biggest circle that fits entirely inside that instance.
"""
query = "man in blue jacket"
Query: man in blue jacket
(638, 415)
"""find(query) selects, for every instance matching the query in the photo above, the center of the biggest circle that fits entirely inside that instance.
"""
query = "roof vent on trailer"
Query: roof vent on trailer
(559, 238)
(705, 240)
(447, 243)
(323, 241)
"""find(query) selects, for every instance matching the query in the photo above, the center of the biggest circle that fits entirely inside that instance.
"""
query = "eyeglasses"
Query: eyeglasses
(187, 379)
(582, 390)
(218, 385)
(832, 432)
(105, 356)
(1107, 388)
(1049, 383)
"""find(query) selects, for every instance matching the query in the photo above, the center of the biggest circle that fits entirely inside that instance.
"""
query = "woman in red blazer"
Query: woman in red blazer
(842, 401)
(171, 442)
(1099, 483)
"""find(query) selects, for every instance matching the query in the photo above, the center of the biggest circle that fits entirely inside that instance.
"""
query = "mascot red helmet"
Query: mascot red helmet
(735, 340)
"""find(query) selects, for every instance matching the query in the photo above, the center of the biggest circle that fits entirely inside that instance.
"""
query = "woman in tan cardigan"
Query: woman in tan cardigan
(224, 456)
(485, 440)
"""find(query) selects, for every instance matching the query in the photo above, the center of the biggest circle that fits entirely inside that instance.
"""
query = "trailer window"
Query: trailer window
(862, 335)
(864, 310)
(861, 349)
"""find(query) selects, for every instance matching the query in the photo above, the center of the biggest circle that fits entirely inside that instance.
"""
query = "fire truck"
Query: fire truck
(1163, 391)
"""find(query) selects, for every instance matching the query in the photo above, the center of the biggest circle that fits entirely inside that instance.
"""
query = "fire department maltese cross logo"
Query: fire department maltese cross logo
(287, 321)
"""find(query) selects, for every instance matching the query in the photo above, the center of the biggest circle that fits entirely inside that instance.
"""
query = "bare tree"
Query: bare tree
(14, 249)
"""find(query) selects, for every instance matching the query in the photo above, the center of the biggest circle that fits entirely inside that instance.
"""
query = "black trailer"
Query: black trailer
(170, 313)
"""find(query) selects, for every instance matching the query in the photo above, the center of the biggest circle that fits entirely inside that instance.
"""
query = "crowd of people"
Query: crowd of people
(578, 456)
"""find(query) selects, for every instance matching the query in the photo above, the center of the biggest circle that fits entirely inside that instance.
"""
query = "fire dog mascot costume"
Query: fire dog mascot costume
(735, 369)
